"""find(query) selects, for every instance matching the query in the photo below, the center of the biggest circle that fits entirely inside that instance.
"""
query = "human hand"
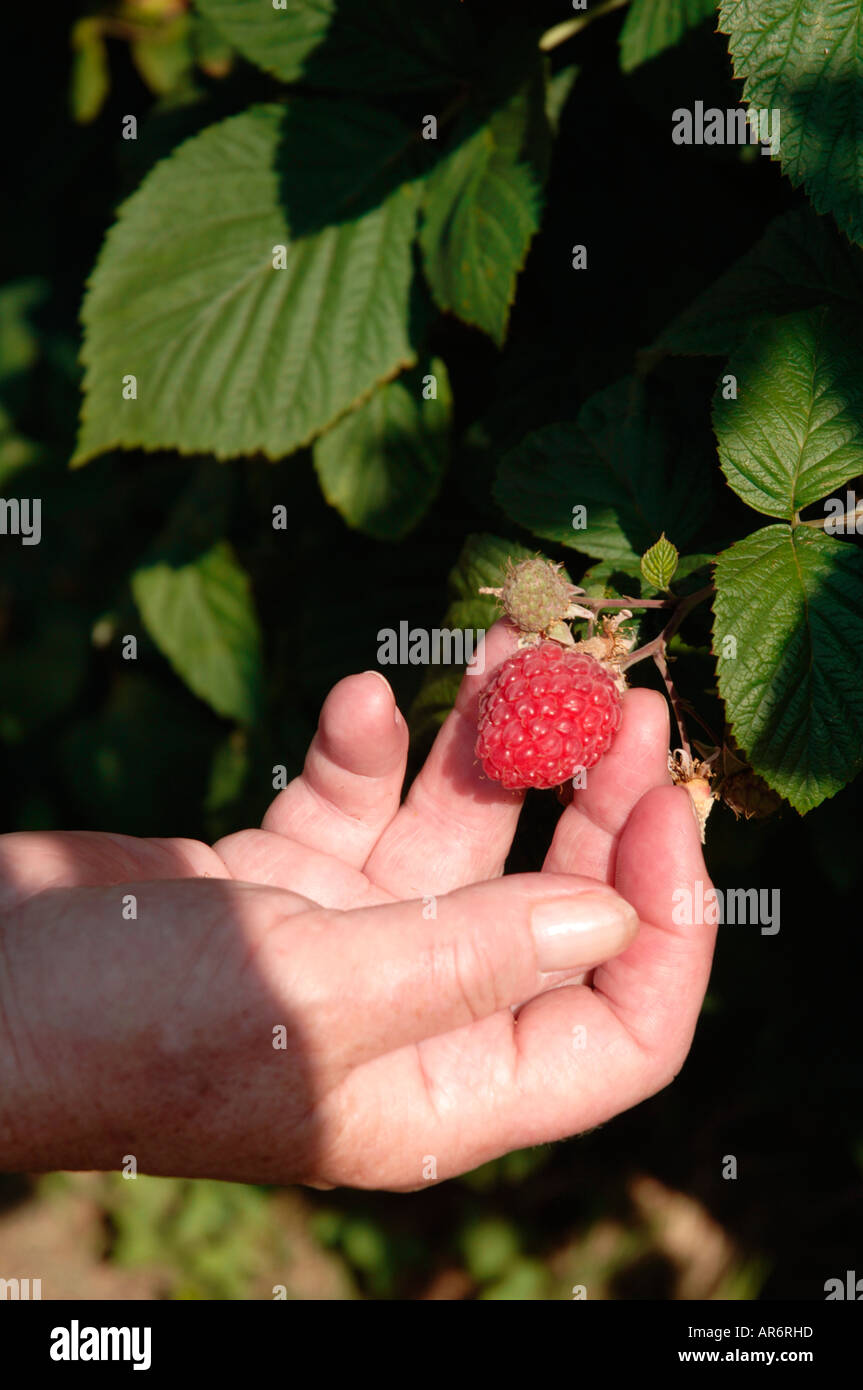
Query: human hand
(426, 1031)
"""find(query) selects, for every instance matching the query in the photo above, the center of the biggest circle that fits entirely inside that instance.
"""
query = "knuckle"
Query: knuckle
(471, 975)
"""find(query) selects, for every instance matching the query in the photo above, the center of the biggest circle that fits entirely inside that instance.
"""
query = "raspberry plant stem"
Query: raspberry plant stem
(657, 649)
(599, 603)
(559, 33)
(674, 699)
(847, 521)
(659, 644)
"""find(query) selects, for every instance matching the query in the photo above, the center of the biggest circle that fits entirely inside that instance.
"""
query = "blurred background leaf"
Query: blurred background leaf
(381, 465)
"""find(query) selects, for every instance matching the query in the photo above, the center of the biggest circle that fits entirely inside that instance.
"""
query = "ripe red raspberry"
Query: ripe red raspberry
(546, 712)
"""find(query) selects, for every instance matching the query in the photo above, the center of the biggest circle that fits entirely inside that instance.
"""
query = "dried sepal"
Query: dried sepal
(611, 644)
(696, 776)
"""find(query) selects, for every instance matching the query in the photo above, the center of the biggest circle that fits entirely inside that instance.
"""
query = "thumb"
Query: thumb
(405, 971)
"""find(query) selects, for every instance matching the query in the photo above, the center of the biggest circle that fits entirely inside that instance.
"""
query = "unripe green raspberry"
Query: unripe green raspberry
(535, 595)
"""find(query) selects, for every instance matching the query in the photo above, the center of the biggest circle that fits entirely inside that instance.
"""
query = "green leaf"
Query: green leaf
(795, 431)
(91, 72)
(21, 346)
(433, 702)
(792, 679)
(622, 461)
(805, 61)
(231, 355)
(654, 25)
(481, 565)
(230, 768)
(606, 579)
(165, 57)
(558, 91)
(800, 262)
(481, 207)
(489, 1246)
(527, 1279)
(659, 563)
(202, 617)
(19, 339)
(354, 45)
(381, 466)
(116, 764)
(692, 572)
(43, 673)
(211, 50)
(16, 452)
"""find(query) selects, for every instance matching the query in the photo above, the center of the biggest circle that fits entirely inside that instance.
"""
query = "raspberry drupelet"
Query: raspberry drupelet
(546, 712)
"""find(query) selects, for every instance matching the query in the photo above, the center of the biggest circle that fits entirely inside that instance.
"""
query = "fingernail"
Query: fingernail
(397, 719)
(381, 677)
(582, 930)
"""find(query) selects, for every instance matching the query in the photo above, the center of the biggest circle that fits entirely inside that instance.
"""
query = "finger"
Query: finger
(571, 1059)
(261, 856)
(31, 861)
(449, 1104)
(586, 834)
(401, 972)
(456, 824)
(351, 782)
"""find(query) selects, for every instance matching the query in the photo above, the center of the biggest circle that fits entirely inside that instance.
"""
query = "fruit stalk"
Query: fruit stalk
(657, 649)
